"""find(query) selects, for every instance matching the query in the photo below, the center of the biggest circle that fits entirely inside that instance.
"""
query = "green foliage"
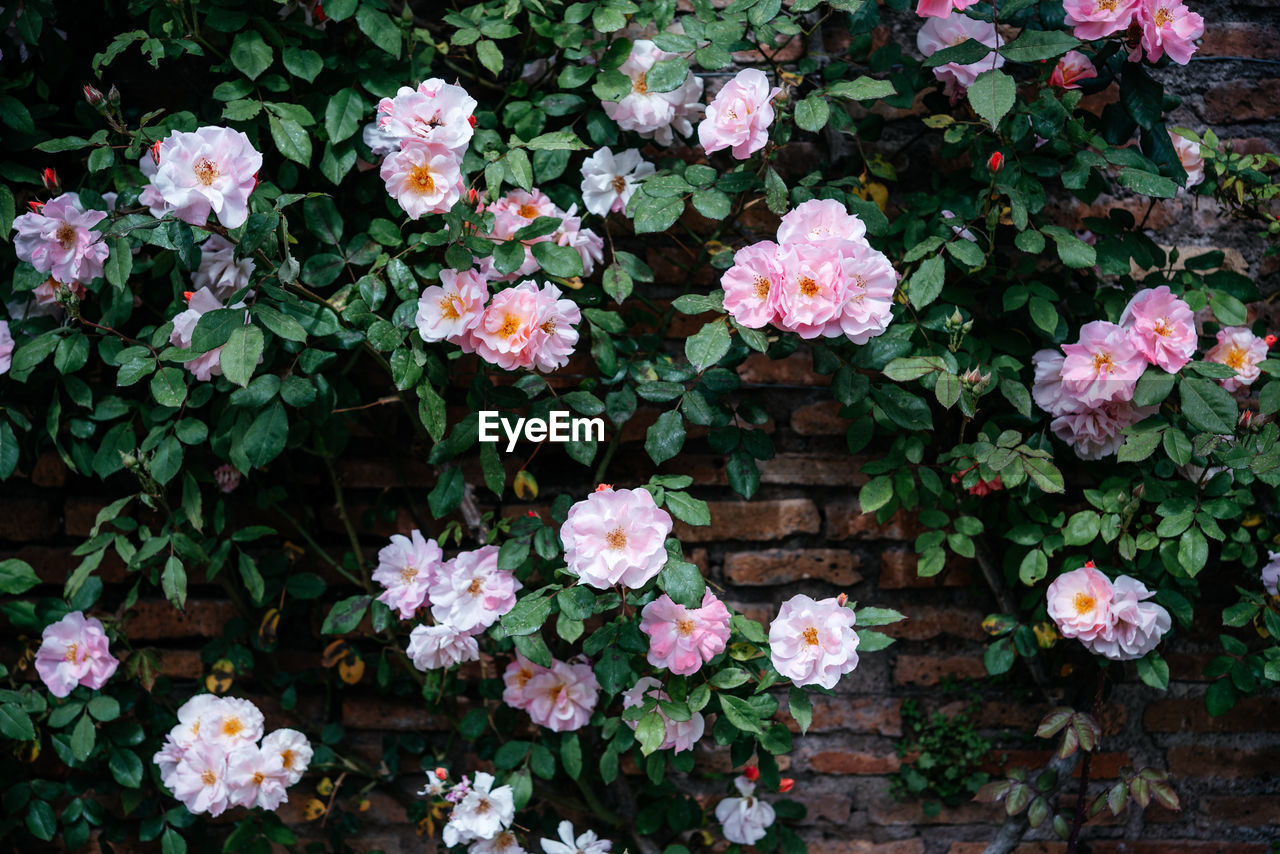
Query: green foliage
(941, 758)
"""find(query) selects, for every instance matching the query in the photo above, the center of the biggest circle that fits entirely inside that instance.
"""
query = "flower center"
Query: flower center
(72, 652)
(408, 574)
(1162, 327)
(1102, 361)
(420, 179)
(1236, 358)
(66, 236)
(523, 676)
(1083, 602)
(476, 585)
(639, 86)
(232, 727)
(811, 636)
(808, 287)
(619, 184)
(258, 777)
(684, 628)
(1162, 17)
(450, 307)
(1108, 5)
(206, 171)
(504, 840)
(549, 326)
(528, 210)
(761, 288)
(286, 758)
(616, 539)
(208, 778)
(482, 806)
(510, 325)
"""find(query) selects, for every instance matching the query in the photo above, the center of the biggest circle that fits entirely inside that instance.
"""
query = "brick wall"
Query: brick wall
(803, 533)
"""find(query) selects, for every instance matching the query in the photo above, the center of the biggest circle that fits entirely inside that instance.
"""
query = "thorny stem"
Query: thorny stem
(346, 521)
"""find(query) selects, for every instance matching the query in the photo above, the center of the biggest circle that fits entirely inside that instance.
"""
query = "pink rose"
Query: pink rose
(256, 778)
(435, 112)
(616, 537)
(1240, 350)
(219, 271)
(470, 593)
(424, 177)
(515, 680)
(200, 779)
(207, 365)
(508, 323)
(447, 311)
(232, 723)
(1103, 366)
(610, 180)
(563, 697)
(1080, 603)
(1169, 27)
(745, 820)
(1071, 69)
(813, 642)
(1095, 19)
(1271, 574)
(659, 115)
(1137, 625)
(406, 569)
(1095, 432)
(552, 341)
(1161, 327)
(941, 8)
(740, 115)
(212, 169)
(680, 735)
(74, 651)
(584, 241)
(6, 347)
(291, 750)
(59, 240)
(753, 285)
(821, 222)
(813, 290)
(1190, 158)
(938, 33)
(683, 639)
(868, 298)
(441, 646)
(1046, 388)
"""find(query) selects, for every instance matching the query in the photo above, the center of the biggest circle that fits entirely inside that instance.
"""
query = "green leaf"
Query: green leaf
(665, 437)
(686, 508)
(1073, 251)
(346, 615)
(1148, 184)
(343, 113)
(1082, 528)
(1193, 551)
(740, 713)
(15, 723)
(1220, 697)
(380, 28)
(801, 708)
(813, 113)
(651, 731)
(291, 139)
(1034, 566)
(305, 64)
(490, 56)
(862, 89)
(1207, 405)
(1044, 474)
(560, 140)
(875, 493)
(83, 738)
(41, 820)
(868, 617)
(119, 263)
(1154, 671)
(683, 582)
(708, 345)
(17, 576)
(1154, 387)
(657, 214)
(992, 95)
(1034, 45)
(925, 284)
(250, 54)
(240, 355)
(126, 768)
(173, 580)
(562, 261)
(666, 75)
(266, 436)
(1000, 656)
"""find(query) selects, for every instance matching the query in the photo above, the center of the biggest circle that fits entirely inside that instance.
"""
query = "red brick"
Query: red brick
(861, 846)
(1189, 714)
(1225, 763)
(1235, 38)
(879, 716)
(1242, 101)
(27, 520)
(181, 664)
(927, 670)
(1246, 811)
(1112, 717)
(898, 571)
(884, 811)
(796, 369)
(819, 419)
(813, 470)
(715, 758)
(783, 566)
(1024, 848)
(846, 521)
(929, 621)
(157, 619)
(754, 520)
(1103, 766)
(49, 471)
(853, 762)
(381, 714)
(53, 564)
(1176, 846)
(80, 514)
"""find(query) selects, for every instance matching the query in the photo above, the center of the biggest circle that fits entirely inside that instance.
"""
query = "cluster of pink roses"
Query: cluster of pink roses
(822, 277)
(74, 651)
(1090, 389)
(57, 238)
(1165, 26)
(525, 326)
(1112, 619)
(560, 697)
(657, 115)
(424, 133)
(211, 759)
(519, 208)
(466, 594)
(192, 174)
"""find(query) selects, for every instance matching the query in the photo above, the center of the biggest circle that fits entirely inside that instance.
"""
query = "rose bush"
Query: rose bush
(213, 285)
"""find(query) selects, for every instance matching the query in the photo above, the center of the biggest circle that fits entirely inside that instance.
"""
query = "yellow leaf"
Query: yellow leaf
(313, 809)
(325, 787)
(526, 485)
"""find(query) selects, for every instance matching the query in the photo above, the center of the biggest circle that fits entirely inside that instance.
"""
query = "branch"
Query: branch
(1016, 826)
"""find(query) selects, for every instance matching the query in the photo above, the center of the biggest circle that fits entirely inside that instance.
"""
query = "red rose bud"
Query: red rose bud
(441, 773)
(472, 196)
(187, 295)
(155, 152)
(995, 162)
(842, 599)
(472, 119)
(786, 784)
(36, 207)
(751, 772)
(1271, 340)
(1088, 564)
(532, 514)
(50, 178)
(318, 11)
(93, 96)
(602, 487)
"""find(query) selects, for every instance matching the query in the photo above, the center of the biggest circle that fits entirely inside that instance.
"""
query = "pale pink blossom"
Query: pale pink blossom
(746, 819)
(200, 779)
(682, 639)
(513, 212)
(824, 222)
(1096, 432)
(470, 593)
(74, 651)
(1079, 603)
(407, 566)
(379, 141)
(1046, 388)
(813, 642)
(207, 365)
(1169, 27)
(196, 715)
(424, 177)
(1190, 157)
(435, 112)
(1136, 624)
(1073, 67)
(219, 271)
(813, 292)
(563, 697)
(504, 842)
(447, 311)
(292, 750)
(1240, 350)
(1103, 366)
(680, 735)
(59, 240)
(585, 843)
(1271, 574)
(515, 680)
(232, 723)
(482, 813)
(1095, 19)
(508, 323)
(753, 285)
(610, 180)
(659, 115)
(740, 115)
(1162, 327)
(441, 646)
(939, 33)
(870, 282)
(6, 347)
(588, 244)
(616, 536)
(213, 169)
(256, 778)
(150, 195)
(552, 342)
(941, 8)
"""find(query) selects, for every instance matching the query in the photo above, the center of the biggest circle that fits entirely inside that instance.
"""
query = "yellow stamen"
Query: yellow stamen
(420, 179)
(1084, 602)
(451, 307)
(1236, 358)
(66, 236)
(619, 184)
(208, 778)
(1102, 361)
(206, 171)
(761, 288)
(808, 287)
(811, 636)
(616, 539)
(684, 628)
(510, 326)
(528, 211)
